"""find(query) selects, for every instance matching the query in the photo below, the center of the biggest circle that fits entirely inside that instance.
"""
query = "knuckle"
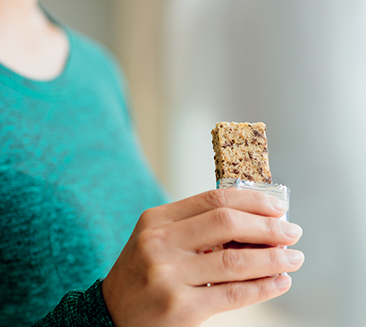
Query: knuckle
(272, 227)
(274, 257)
(179, 307)
(161, 283)
(146, 217)
(225, 218)
(262, 291)
(259, 199)
(179, 304)
(160, 275)
(230, 261)
(216, 198)
(235, 294)
(151, 240)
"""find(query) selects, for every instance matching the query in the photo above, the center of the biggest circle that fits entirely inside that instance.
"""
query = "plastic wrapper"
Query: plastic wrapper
(278, 191)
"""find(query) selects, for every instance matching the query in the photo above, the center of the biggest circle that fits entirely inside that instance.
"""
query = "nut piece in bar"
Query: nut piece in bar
(241, 152)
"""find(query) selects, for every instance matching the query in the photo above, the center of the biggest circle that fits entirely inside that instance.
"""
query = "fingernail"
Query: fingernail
(294, 257)
(291, 230)
(282, 282)
(278, 204)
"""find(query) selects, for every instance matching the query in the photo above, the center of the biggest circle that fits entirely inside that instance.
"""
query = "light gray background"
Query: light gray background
(299, 66)
(92, 17)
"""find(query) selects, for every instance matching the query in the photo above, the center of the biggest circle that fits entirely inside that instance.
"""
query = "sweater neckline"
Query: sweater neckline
(59, 87)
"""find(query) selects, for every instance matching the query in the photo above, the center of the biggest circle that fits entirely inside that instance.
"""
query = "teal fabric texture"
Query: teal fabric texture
(73, 183)
(79, 308)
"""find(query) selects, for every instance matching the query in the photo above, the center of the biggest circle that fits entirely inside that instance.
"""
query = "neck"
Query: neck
(17, 8)
(29, 43)
(16, 14)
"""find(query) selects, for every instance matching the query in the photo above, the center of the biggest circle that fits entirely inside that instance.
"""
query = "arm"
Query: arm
(161, 275)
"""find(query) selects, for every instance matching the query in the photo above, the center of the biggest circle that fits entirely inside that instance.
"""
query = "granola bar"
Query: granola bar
(241, 151)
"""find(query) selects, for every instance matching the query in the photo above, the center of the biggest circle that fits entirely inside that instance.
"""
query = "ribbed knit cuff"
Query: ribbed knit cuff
(97, 310)
(80, 308)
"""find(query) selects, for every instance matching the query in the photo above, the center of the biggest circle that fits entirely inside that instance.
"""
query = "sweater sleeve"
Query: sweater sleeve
(80, 308)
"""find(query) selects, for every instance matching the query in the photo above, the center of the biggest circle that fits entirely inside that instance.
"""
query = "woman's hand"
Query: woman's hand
(161, 276)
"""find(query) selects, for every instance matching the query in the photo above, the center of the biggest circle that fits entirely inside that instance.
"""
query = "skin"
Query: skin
(29, 44)
(161, 275)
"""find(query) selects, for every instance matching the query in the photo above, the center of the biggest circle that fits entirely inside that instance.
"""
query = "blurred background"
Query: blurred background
(298, 66)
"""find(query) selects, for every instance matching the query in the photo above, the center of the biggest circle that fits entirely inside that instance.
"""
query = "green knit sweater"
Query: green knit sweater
(73, 183)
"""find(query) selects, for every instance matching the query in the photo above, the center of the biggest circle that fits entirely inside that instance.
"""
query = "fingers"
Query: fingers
(230, 296)
(243, 200)
(224, 225)
(239, 265)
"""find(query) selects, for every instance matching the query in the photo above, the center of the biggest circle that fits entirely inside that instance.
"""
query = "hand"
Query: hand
(160, 278)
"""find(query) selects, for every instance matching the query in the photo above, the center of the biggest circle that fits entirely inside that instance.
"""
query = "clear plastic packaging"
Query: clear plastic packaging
(281, 192)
